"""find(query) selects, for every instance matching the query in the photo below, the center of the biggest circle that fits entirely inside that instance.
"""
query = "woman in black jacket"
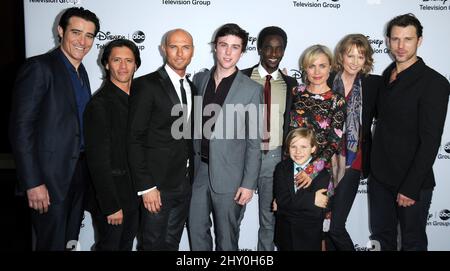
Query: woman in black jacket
(351, 78)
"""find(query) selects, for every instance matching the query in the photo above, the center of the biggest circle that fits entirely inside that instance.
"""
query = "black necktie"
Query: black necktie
(183, 94)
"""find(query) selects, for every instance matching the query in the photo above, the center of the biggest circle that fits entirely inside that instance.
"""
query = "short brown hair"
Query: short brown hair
(346, 44)
(302, 132)
(404, 21)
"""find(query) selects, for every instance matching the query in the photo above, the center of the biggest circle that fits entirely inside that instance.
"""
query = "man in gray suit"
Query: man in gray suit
(226, 146)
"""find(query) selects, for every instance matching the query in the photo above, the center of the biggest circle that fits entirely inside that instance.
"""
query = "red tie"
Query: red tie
(267, 114)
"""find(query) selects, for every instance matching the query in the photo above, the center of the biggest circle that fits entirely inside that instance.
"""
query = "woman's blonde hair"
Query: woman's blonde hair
(310, 55)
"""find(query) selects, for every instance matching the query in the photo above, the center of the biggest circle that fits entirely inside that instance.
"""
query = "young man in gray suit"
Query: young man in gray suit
(227, 153)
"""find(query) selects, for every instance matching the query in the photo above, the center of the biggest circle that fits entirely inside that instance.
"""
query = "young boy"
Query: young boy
(300, 212)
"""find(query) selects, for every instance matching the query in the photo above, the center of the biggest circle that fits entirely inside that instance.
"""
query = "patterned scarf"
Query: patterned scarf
(352, 124)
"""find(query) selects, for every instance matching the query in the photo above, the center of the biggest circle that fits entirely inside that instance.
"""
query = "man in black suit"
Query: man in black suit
(412, 106)
(112, 200)
(46, 132)
(160, 156)
(272, 42)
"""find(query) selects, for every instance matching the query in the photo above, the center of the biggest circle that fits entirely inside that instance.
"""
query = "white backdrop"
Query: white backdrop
(306, 22)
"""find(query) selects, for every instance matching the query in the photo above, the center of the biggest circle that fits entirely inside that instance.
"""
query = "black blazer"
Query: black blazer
(105, 129)
(291, 82)
(297, 206)
(44, 127)
(411, 116)
(156, 158)
(370, 86)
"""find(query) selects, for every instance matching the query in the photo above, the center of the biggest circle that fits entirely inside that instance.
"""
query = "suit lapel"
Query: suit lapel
(204, 83)
(68, 90)
(85, 78)
(365, 92)
(168, 86)
(234, 90)
(290, 179)
(193, 91)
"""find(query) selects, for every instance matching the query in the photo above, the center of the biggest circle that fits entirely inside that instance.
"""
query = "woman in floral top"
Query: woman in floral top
(316, 105)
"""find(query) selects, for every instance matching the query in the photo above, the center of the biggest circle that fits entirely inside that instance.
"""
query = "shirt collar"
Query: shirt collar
(66, 61)
(174, 77)
(263, 73)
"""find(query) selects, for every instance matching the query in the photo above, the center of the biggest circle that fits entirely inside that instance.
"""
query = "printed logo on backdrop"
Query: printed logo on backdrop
(444, 152)
(251, 44)
(371, 245)
(74, 2)
(138, 36)
(362, 188)
(378, 44)
(104, 37)
(297, 74)
(328, 4)
(434, 5)
(439, 218)
(194, 3)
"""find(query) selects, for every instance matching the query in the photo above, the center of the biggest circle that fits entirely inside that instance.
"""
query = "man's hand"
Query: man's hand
(243, 196)
(302, 180)
(38, 198)
(152, 201)
(274, 205)
(404, 201)
(116, 218)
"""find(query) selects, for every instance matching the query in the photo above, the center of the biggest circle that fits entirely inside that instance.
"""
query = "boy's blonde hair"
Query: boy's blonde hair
(302, 132)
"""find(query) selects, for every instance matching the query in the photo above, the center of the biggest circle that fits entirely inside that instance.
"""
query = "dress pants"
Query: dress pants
(116, 237)
(162, 231)
(385, 215)
(265, 199)
(344, 196)
(226, 212)
(58, 229)
(299, 235)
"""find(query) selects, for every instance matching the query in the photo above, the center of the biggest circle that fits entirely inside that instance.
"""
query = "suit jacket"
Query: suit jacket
(44, 127)
(297, 206)
(370, 85)
(411, 116)
(156, 158)
(105, 129)
(233, 162)
(291, 82)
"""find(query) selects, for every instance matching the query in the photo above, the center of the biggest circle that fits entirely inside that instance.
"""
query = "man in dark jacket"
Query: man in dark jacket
(112, 200)
(160, 146)
(49, 98)
(412, 106)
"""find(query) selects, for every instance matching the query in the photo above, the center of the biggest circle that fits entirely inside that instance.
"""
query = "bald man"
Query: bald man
(160, 160)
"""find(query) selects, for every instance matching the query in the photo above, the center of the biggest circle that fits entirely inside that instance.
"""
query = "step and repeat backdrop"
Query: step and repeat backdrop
(306, 22)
